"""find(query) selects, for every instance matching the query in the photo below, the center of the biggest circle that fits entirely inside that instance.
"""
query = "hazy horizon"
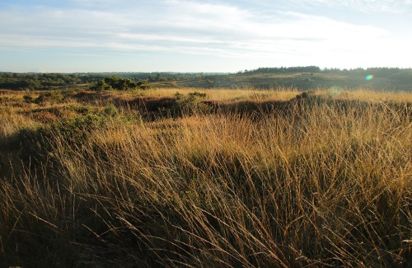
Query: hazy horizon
(205, 72)
(202, 36)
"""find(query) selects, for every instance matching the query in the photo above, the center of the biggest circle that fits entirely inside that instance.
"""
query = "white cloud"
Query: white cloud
(391, 6)
(204, 28)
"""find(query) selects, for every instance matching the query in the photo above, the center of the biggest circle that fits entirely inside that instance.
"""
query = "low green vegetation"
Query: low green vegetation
(114, 83)
(306, 78)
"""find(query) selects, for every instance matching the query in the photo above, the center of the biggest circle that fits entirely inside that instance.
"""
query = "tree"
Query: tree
(101, 85)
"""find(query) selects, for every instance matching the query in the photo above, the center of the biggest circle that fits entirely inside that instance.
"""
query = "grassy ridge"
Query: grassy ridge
(87, 181)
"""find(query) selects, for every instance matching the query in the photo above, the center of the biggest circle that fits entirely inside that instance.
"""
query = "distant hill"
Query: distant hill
(310, 77)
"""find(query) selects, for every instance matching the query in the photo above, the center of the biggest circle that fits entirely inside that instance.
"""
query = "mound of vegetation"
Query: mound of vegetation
(115, 83)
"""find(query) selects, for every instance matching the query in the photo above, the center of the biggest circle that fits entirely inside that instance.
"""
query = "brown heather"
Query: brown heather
(327, 183)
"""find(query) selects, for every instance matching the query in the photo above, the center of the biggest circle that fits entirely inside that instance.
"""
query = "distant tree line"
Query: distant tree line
(305, 69)
(38, 81)
(27, 81)
(307, 77)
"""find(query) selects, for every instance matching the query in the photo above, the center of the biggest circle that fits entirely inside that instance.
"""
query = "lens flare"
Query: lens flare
(369, 77)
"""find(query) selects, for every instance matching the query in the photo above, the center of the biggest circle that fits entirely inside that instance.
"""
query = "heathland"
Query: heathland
(304, 78)
(205, 178)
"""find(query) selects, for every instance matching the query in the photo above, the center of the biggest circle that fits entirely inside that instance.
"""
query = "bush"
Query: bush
(50, 96)
(101, 85)
(28, 99)
(191, 103)
(119, 84)
(36, 145)
(110, 110)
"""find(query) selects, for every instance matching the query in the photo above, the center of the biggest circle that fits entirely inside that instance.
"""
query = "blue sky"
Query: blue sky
(202, 36)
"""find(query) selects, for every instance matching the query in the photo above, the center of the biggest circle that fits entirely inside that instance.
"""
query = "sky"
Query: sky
(202, 36)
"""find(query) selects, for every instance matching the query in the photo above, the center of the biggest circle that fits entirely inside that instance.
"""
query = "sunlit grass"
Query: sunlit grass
(220, 94)
(322, 186)
(367, 95)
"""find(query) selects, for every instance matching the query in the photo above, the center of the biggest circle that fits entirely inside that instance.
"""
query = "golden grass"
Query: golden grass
(222, 94)
(367, 95)
(11, 122)
(324, 186)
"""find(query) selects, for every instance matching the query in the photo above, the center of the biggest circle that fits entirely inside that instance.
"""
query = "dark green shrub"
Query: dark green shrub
(50, 96)
(116, 83)
(197, 94)
(101, 85)
(110, 110)
(193, 102)
(36, 145)
(28, 99)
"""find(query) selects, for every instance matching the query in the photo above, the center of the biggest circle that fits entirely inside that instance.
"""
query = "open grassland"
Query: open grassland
(206, 178)
(367, 95)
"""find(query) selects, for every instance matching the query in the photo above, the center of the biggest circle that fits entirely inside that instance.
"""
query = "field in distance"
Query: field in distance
(206, 178)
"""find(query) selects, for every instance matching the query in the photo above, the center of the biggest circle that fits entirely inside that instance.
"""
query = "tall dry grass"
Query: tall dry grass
(323, 186)
(367, 95)
(222, 94)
